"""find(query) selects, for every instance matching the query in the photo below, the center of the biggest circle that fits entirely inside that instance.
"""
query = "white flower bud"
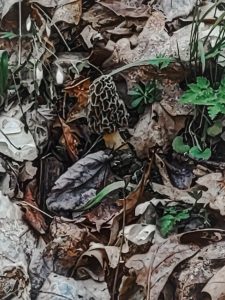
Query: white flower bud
(28, 23)
(59, 75)
(39, 72)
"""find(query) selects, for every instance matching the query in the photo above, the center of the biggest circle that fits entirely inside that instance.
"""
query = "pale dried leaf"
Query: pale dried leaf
(139, 234)
(121, 8)
(155, 128)
(68, 11)
(215, 287)
(176, 8)
(60, 288)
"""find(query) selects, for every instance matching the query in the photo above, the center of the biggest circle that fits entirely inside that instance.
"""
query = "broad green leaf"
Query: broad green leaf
(3, 71)
(196, 153)
(179, 146)
(215, 129)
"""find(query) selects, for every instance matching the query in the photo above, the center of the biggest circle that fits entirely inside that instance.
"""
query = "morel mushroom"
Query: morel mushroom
(106, 111)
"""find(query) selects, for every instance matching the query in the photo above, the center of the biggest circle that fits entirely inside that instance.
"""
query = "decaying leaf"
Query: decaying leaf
(155, 128)
(61, 287)
(215, 184)
(215, 287)
(67, 11)
(139, 234)
(99, 256)
(154, 268)
(122, 8)
(200, 269)
(32, 214)
(176, 8)
(79, 183)
(80, 90)
(71, 141)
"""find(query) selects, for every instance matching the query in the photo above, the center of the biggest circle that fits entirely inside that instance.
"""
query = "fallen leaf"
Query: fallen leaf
(197, 271)
(215, 194)
(215, 287)
(155, 128)
(67, 11)
(176, 8)
(139, 234)
(154, 267)
(122, 8)
(78, 184)
(70, 140)
(32, 214)
(80, 90)
(61, 287)
(99, 256)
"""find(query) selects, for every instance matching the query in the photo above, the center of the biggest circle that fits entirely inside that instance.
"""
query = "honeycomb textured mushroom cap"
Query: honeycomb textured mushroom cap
(106, 111)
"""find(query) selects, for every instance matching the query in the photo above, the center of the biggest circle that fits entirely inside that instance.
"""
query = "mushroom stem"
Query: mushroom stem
(114, 140)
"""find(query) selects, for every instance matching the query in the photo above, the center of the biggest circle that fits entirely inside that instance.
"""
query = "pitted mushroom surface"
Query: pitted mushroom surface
(106, 111)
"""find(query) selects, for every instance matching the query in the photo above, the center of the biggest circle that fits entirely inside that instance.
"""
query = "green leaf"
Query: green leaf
(8, 35)
(196, 153)
(214, 110)
(161, 62)
(137, 101)
(3, 71)
(179, 146)
(103, 193)
(183, 215)
(166, 224)
(202, 54)
(215, 129)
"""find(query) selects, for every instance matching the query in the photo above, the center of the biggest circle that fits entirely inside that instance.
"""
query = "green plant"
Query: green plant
(172, 216)
(96, 200)
(195, 152)
(144, 94)
(201, 93)
(3, 71)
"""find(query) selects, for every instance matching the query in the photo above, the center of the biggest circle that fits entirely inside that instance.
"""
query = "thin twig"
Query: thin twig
(20, 33)
(24, 203)
(121, 243)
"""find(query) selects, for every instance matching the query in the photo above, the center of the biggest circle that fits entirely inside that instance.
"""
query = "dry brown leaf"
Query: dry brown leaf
(215, 287)
(122, 8)
(101, 214)
(215, 194)
(94, 262)
(68, 11)
(71, 141)
(154, 268)
(199, 269)
(32, 215)
(155, 128)
(176, 8)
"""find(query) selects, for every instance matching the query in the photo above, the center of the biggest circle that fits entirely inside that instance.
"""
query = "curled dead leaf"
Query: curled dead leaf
(71, 141)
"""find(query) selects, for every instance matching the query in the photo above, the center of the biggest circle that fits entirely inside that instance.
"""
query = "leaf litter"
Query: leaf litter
(112, 150)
